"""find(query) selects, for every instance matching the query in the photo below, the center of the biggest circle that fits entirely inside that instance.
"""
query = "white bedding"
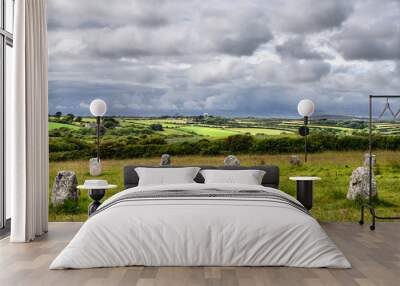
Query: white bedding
(200, 231)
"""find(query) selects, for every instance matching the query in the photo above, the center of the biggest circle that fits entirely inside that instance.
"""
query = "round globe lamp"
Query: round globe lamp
(305, 107)
(98, 107)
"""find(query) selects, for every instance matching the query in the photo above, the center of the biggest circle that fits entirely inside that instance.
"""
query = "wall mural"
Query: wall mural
(201, 81)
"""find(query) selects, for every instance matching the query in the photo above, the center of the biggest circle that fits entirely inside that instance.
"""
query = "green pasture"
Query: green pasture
(297, 124)
(234, 126)
(387, 128)
(175, 131)
(164, 122)
(185, 127)
(182, 127)
(330, 202)
(213, 132)
(55, 125)
(260, 131)
(387, 124)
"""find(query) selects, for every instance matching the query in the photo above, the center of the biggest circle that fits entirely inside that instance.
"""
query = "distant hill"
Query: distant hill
(337, 117)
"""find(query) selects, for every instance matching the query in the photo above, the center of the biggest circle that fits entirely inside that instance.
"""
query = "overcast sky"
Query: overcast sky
(227, 57)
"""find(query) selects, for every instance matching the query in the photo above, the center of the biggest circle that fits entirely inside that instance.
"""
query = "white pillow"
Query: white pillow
(166, 176)
(247, 177)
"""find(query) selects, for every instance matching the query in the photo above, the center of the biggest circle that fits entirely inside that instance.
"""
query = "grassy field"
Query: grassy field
(192, 129)
(55, 125)
(213, 132)
(330, 202)
(261, 131)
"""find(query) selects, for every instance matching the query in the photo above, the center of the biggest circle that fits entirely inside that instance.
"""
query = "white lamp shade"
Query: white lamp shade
(98, 107)
(305, 107)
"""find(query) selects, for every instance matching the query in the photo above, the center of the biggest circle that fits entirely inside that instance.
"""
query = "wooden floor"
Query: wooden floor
(375, 257)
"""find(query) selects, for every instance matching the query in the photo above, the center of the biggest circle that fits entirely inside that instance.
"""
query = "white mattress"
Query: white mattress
(202, 232)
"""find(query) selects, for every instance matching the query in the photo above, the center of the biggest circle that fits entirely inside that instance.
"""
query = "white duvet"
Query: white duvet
(200, 231)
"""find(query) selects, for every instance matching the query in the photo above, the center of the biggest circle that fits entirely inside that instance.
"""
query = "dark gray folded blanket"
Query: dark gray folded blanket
(205, 193)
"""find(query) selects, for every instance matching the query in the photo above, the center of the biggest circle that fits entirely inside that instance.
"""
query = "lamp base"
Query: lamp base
(95, 167)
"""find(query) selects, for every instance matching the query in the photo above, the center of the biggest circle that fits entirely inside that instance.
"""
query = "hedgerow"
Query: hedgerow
(69, 148)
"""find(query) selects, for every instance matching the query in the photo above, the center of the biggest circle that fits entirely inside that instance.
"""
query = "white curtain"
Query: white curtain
(26, 124)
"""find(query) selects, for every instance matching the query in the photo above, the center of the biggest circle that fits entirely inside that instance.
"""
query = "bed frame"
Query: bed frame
(270, 179)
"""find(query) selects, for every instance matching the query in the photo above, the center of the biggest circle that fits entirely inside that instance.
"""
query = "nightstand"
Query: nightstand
(96, 191)
(304, 190)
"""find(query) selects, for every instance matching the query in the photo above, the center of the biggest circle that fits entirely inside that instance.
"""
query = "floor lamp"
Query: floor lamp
(98, 108)
(305, 109)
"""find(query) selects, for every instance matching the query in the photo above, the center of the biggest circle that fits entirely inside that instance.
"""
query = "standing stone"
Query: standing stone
(165, 160)
(94, 167)
(366, 160)
(295, 160)
(359, 184)
(64, 187)
(231, 160)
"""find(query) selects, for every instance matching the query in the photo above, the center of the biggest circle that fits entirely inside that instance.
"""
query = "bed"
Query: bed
(198, 224)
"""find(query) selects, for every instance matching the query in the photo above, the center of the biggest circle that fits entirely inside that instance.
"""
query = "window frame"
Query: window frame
(6, 39)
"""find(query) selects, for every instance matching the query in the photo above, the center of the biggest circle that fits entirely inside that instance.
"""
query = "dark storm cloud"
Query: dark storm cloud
(310, 16)
(291, 72)
(373, 33)
(297, 47)
(210, 32)
(236, 33)
(76, 97)
(75, 14)
(357, 48)
(149, 57)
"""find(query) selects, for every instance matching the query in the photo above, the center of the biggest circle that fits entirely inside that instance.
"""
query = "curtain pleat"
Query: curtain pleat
(29, 159)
